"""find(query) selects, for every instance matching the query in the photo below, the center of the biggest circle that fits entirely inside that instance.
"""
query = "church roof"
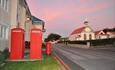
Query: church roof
(79, 30)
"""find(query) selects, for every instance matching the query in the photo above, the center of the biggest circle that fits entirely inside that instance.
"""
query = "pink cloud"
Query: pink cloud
(51, 14)
(92, 9)
(72, 13)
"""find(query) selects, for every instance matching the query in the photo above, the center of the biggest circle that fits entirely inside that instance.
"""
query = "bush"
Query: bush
(1, 57)
(5, 53)
(77, 42)
(94, 42)
(43, 45)
(102, 41)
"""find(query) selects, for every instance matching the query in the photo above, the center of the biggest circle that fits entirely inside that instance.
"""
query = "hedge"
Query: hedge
(92, 42)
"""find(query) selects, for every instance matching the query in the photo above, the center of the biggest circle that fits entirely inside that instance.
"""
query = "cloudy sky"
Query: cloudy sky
(63, 16)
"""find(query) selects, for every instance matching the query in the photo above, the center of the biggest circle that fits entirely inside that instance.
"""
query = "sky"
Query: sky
(63, 16)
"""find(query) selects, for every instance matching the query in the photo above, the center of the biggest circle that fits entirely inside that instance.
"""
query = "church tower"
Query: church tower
(86, 22)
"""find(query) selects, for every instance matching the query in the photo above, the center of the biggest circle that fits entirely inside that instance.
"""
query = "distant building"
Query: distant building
(34, 22)
(104, 35)
(82, 33)
(110, 34)
(101, 35)
(38, 23)
(86, 33)
(13, 13)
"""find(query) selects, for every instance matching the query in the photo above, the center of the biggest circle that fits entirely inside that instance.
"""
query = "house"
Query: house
(33, 22)
(110, 34)
(101, 34)
(104, 35)
(82, 33)
(19, 13)
(38, 23)
(13, 13)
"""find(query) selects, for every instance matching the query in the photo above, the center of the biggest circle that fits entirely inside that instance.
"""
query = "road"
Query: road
(88, 59)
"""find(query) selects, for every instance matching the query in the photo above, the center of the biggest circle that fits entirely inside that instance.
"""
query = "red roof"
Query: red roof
(100, 32)
(97, 32)
(79, 30)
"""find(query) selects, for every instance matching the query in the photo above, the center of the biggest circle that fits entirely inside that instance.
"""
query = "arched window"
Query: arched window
(90, 36)
(85, 36)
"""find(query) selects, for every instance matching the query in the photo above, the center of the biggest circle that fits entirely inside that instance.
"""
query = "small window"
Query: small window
(7, 5)
(85, 36)
(4, 4)
(90, 37)
(99, 37)
(6, 33)
(0, 31)
(0, 1)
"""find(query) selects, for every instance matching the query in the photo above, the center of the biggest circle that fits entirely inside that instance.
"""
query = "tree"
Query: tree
(52, 37)
(109, 30)
(114, 29)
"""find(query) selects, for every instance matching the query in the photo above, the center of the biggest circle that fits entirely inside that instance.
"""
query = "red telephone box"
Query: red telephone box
(48, 48)
(17, 44)
(35, 44)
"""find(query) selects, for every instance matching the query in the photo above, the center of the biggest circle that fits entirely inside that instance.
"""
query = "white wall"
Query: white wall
(86, 31)
(101, 36)
(27, 29)
(4, 24)
(10, 13)
(13, 15)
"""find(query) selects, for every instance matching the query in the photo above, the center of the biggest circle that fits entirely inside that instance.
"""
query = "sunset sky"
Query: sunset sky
(63, 16)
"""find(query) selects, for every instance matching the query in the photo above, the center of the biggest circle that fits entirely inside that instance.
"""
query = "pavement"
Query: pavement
(86, 59)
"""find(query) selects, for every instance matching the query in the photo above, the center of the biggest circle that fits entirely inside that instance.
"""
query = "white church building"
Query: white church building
(82, 33)
(87, 33)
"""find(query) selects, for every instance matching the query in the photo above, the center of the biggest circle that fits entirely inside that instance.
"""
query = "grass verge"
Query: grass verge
(1, 57)
(48, 63)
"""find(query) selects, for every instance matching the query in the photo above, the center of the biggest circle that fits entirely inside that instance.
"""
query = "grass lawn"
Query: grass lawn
(48, 63)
